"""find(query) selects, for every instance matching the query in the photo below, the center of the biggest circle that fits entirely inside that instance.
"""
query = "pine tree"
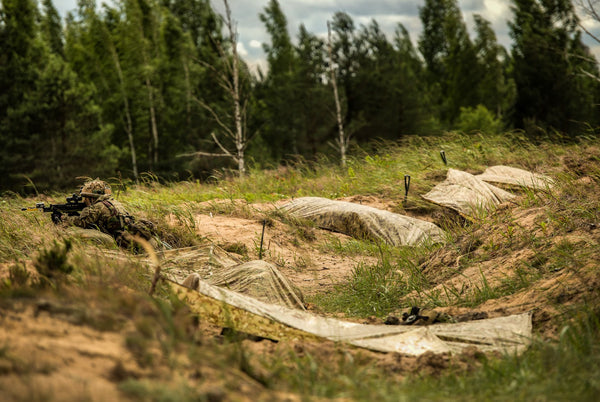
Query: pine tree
(495, 90)
(279, 90)
(22, 56)
(449, 57)
(67, 124)
(314, 99)
(550, 93)
(412, 103)
(52, 125)
(52, 28)
(92, 48)
(141, 47)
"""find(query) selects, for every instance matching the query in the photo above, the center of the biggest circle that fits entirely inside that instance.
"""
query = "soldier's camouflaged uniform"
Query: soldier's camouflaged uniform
(110, 216)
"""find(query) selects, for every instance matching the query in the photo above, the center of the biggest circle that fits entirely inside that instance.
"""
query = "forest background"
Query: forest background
(155, 88)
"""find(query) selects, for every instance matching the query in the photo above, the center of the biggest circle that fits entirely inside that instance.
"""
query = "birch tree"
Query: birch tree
(126, 108)
(343, 139)
(229, 80)
(145, 44)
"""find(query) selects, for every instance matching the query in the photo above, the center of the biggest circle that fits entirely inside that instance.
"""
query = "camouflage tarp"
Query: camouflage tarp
(210, 263)
(364, 222)
(259, 279)
(245, 314)
(204, 260)
(515, 177)
(466, 194)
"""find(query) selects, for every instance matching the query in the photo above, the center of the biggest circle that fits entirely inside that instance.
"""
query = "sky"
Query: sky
(314, 14)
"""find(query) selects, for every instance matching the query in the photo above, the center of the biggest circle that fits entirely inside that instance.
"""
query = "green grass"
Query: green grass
(160, 329)
(368, 172)
(375, 290)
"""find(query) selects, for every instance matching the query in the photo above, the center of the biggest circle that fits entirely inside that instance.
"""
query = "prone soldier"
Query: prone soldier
(104, 213)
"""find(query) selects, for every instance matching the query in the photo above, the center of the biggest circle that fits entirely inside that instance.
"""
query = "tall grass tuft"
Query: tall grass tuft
(376, 289)
(52, 263)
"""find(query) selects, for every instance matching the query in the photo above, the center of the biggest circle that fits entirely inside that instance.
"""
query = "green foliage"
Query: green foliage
(139, 72)
(278, 100)
(63, 151)
(376, 289)
(496, 87)
(52, 263)
(450, 58)
(22, 57)
(373, 290)
(479, 119)
(52, 28)
(18, 275)
(551, 92)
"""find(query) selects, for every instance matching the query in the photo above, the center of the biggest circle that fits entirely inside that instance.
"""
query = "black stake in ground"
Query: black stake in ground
(262, 236)
(443, 155)
(406, 187)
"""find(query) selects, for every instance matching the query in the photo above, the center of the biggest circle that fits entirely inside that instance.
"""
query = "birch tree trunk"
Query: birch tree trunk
(144, 45)
(342, 139)
(240, 142)
(229, 80)
(152, 120)
(188, 94)
(128, 123)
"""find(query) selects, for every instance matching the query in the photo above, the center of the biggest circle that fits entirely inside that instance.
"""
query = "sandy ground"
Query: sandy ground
(303, 258)
(44, 356)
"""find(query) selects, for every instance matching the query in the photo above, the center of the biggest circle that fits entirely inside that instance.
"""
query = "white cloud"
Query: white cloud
(314, 14)
(64, 6)
(589, 22)
(496, 10)
(255, 44)
(241, 49)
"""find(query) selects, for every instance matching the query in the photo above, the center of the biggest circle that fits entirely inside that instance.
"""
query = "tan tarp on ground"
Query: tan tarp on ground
(251, 316)
(205, 260)
(258, 279)
(466, 194)
(364, 222)
(515, 177)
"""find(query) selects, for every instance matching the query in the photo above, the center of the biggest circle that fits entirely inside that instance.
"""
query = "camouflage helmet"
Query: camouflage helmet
(96, 187)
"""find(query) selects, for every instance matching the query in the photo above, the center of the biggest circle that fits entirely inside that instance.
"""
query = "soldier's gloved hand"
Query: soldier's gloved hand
(57, 217)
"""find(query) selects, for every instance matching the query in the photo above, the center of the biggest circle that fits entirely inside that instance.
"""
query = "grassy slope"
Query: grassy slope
(554, 244)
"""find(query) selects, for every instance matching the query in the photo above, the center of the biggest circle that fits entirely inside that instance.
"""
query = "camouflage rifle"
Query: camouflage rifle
(72, 207)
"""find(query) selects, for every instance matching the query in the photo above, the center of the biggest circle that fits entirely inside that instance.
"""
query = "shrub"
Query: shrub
(478, 119)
